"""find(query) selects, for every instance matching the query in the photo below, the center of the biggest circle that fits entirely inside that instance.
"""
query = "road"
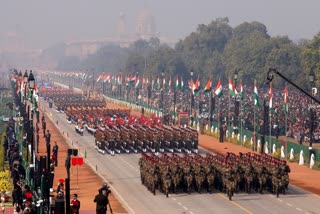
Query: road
(122, 173)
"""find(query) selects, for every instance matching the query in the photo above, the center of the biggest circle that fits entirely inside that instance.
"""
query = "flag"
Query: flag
(99, 77)
(182, 86)
(177, 83)
(163, 83)
(137, 83)
(120, 79)
(232, 90)
(241, 91)
(131, 79)
(208, 86)
(170, 85)
(218, 89)
(196, 86)
(107, 78)
(270, 96)
(255, 95)
(158, 83)
(286, 100)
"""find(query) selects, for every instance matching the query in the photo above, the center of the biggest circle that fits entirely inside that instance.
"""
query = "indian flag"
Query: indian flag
(270, 96)
(196, 86)
(286, 99)
(137, 83)
(177, 83)
(218, 89)
(208, 86)
(241, 91)
(232, 90)
(255, 95)
(182, 86)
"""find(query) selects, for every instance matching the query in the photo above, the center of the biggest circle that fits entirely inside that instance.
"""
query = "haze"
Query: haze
(44, 23)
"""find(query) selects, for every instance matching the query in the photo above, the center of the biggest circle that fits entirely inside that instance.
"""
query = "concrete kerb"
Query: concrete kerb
(116, 193)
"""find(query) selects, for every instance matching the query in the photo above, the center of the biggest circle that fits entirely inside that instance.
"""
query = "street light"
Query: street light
(162, 106)
(312, 111)
(192, 98)
(236, 103)
(25, 77)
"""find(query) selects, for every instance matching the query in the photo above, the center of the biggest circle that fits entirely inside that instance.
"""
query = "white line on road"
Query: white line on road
(184, 208)
(174, 199)
(179, 203)
(299, 209)
(190, 212)
(289, 204)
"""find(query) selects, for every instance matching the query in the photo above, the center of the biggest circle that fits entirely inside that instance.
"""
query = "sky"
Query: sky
(44, 23)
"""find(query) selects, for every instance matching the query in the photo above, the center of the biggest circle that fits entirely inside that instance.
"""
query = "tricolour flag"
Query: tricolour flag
(218, 89)
(177, 83)
(137, 83)
(286, 100)
(255, 95)
(208, 86)
(270, 96)
(232, 90)
(182, 85)
(99, 77)
(196, 86)
(241, 91)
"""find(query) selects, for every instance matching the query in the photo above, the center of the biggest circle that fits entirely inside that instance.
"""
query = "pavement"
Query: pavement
(85, 181)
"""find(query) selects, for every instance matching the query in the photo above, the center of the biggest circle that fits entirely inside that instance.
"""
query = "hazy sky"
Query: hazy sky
(46, 22)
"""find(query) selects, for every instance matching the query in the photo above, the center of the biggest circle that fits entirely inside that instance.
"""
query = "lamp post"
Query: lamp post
(31, 83)
(137, 88)
(192, 97)
(312, 110)
(162, 104)
(20, 80)
(25, 80)
(236, 103)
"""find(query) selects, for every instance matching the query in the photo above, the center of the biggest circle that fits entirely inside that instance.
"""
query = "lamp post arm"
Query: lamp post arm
(270, 78)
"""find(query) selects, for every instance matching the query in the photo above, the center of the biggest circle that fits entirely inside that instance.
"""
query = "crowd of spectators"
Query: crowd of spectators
(294, 124)
(22, 196)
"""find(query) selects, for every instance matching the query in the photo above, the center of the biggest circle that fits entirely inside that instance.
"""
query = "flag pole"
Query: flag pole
(254, 126)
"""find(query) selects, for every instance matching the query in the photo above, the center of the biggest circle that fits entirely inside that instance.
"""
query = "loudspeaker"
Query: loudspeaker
(74, 152)
(70, 151)
(43, 164)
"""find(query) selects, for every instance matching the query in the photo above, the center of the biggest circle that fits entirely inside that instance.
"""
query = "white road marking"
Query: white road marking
(190, 212)
(174, 199)
(289, 204)
(184, 208)
(179, 203)
(299, 209)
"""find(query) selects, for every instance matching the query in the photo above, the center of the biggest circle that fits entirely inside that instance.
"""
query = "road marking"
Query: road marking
(235, 203)
(179, 203)
(289, 204)
(279, 200)
(190, 212)
(174, 199)
(184, 207)
(299, 209)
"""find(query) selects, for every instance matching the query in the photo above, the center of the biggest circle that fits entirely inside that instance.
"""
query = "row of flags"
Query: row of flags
(195, 86)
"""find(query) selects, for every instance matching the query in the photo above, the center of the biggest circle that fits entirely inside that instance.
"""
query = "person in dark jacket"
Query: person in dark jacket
(101, 201)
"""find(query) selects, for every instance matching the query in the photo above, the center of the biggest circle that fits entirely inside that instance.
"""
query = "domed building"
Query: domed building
(145, 24)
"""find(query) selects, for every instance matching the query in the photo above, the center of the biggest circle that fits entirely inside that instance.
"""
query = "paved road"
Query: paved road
(122, 172)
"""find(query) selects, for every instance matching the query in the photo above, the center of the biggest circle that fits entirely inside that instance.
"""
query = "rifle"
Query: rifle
(110, 208)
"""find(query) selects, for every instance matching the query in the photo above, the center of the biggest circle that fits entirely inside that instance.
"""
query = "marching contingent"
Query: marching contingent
(229, 173)
(170, 159)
